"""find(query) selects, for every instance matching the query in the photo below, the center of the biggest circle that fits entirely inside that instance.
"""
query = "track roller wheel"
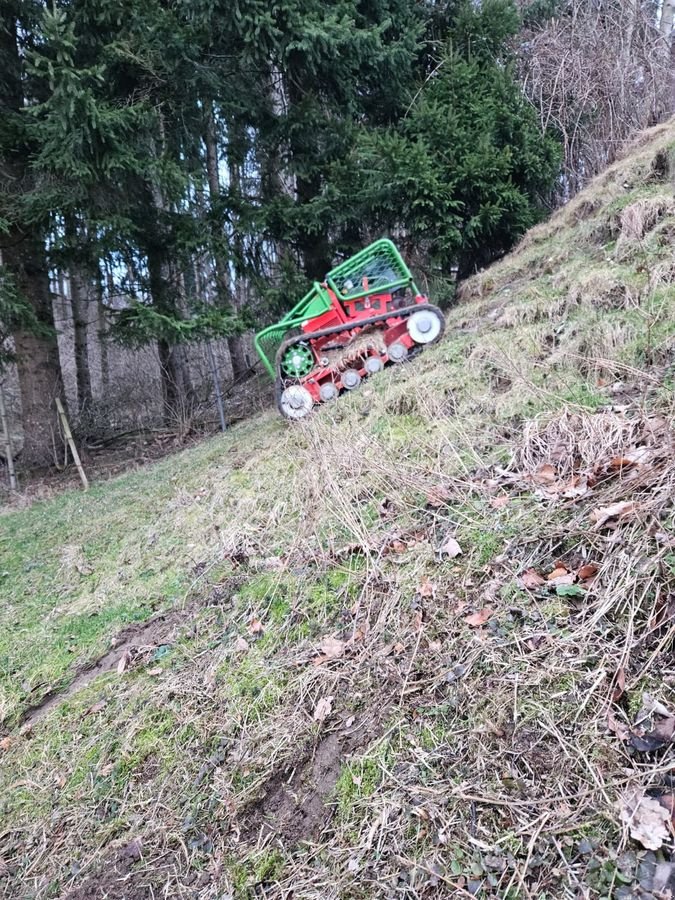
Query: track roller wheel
(350, 379)
(397, 352)
(296, 402)
(373, 364)
(328, 391)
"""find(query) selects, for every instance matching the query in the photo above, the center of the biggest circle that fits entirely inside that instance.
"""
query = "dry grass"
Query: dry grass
(348, 706)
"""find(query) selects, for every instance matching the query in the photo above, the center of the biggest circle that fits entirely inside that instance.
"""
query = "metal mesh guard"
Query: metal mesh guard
(374, 269)
(270, 341)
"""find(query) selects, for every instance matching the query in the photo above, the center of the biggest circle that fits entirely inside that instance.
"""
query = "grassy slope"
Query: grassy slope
(432, 756)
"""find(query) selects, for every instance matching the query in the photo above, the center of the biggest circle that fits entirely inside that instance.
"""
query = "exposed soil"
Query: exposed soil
(293, 807)
(136, 643)
(115, 879)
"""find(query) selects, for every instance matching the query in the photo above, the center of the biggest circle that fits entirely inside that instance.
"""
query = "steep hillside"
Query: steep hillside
(418, 646)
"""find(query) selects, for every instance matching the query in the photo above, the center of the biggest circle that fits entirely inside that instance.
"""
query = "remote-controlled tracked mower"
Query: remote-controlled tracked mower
(367, 313)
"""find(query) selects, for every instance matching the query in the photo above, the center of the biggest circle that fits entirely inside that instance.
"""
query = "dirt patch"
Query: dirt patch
(135, 644)
(117, 879)
(294, 804)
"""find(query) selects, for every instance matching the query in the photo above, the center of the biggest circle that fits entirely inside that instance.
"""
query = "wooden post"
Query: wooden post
(7, 442)
(71, 442)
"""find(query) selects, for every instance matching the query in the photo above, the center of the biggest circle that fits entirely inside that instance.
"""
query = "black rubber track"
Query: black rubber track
(281, 383)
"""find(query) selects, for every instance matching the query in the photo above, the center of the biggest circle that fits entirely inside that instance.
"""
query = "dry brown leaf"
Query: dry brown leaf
(156, 671)
(96, 708)
(620, 511)
(241, 645)
(435, 646)
(331, 648)
(647, 820)
(123, 663)
(664, 729)
(418, 619)
(532, 579)
(5, 743)
(323, 709)
(451, 548)
(426, 588)
(619, 685)
(475, 620)
(545, 474)
(438, 496)
(569, 578)
(588, 570)
(558, 572)
(255, 626)
(620, 462)
(616, 727)
(575, 487)
(398, 546)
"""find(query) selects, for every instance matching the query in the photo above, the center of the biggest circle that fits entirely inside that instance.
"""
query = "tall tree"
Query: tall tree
(22, 239)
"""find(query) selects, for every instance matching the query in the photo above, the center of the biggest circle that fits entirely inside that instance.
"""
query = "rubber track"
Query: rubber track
(405, 312)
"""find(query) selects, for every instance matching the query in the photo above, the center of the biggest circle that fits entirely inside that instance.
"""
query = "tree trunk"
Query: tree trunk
(23, 254)
(175, 378)
(80, 298)
(235, 343)
(667, 18)
(103, 332)
(37, 354)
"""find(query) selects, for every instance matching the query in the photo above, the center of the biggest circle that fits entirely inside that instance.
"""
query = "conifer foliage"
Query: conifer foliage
(189, 165)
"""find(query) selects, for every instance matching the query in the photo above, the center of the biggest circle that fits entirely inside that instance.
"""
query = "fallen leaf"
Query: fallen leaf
(619, 685)
(660, 736)
(123, 662)
(563, 580)
(545, 474)
(667, 801)
(558, 572)
(588, 570)
(426, 588)
(241, 645)
(620, 462)
(418, 619)
(435, 646)
(331, 648)
(96, 708)
(438, 496)
(619, 511)
(398, 648)
(616, 727)
(323, 709)
(398, 546)
(647, 820)
(5, 743)
(479, 618)
(156, 671)
(499, 502)
(451, 548)
(532, 579)
(84, 569)
(256, 626)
